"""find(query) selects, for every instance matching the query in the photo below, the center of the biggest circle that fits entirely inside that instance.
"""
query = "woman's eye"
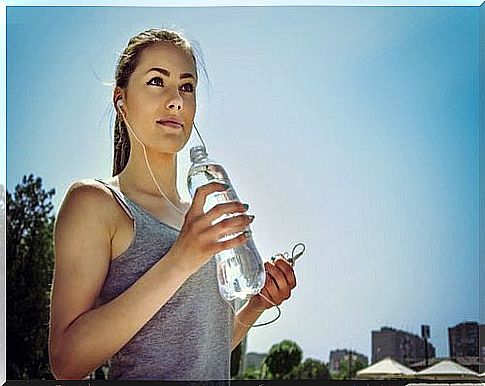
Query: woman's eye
(159, 81)
(188, 87)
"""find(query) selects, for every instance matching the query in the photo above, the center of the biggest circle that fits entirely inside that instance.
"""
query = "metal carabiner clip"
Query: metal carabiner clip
(293, 258)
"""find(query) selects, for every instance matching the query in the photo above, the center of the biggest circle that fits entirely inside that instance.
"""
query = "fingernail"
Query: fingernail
(226, 186)
(251, 218)
(246, 206)
(247, 234)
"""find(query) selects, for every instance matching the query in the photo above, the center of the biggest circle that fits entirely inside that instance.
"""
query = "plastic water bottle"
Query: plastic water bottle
(240, 270)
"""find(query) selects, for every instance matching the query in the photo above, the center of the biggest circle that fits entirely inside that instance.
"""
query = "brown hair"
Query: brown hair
(127, 63)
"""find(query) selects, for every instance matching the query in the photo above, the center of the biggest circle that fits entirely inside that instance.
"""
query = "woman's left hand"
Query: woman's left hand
(280, 281)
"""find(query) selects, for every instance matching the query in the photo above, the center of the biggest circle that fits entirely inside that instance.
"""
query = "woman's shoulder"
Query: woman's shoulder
(88, 198)
(89, 189)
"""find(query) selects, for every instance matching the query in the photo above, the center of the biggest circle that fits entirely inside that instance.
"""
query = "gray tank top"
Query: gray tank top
(190, 337)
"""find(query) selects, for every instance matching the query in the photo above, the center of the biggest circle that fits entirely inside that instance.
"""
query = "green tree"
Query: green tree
(29, 267)
(2, 261)
(310, 369)
(281, 359)
(250, 373)
(348, 370)
(2, 212)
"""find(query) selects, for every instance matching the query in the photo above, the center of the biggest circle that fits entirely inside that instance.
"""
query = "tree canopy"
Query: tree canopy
(29, 267)
(281, 359)
(310, 369)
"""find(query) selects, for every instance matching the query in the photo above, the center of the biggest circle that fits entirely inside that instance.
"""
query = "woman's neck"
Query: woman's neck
(137, 178)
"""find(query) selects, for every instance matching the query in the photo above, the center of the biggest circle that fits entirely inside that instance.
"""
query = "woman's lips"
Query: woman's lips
(171, 123)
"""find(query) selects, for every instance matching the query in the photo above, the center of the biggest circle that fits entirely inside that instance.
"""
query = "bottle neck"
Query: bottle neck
(198, 154)
(199, 158)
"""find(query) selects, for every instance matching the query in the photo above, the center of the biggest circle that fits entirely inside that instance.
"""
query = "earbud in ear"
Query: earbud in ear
(119, 103)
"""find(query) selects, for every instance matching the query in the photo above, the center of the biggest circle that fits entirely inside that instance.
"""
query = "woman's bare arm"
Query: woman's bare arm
(280, 281)
(82, 337)
(243, 321)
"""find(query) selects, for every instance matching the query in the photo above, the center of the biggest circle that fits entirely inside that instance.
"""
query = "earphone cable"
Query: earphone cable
(260, 324)
(292, 261)
(149, 168)
(200, 137)
(183, 213)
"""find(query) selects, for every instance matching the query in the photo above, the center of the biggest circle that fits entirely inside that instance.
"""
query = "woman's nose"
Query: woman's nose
(174, 102)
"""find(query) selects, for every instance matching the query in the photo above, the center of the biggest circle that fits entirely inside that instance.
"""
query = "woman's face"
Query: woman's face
(159, 101)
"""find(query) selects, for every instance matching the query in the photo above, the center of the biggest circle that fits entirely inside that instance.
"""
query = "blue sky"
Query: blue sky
(352, 129)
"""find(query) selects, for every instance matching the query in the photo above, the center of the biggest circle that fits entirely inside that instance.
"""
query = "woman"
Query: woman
(134, 281)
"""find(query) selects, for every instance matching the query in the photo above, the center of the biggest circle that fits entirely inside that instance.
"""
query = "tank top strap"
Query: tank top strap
(119, 197)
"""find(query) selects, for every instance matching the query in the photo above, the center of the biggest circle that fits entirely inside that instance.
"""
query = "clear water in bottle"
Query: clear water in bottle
(240, 270)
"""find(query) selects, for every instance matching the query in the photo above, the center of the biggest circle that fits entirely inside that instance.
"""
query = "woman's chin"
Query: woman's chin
(170, 146)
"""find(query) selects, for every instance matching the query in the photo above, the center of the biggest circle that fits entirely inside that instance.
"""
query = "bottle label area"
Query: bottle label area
(240, 270)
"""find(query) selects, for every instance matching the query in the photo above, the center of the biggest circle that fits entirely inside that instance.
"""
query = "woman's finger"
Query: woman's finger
(201, 194)
(267, 298)
(280, 279)
(288, 271)
(225, 208)
(219, 246)
(273, 290)
(231, 225)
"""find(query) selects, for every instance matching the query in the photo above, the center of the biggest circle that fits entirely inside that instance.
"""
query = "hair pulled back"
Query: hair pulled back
(126, 65)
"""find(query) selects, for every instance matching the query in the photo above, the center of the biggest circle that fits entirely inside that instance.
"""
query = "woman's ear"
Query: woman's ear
(119, 106)
(118, 99)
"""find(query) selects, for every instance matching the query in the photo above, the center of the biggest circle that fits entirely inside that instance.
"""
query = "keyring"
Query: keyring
(293, 257)
(283, 254)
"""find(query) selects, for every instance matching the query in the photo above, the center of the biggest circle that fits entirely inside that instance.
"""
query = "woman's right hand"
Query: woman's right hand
(199, 239)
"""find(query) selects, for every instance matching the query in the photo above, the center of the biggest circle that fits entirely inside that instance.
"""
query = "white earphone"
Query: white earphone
(119, 103)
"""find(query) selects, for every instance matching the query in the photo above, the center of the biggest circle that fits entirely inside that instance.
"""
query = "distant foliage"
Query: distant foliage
(2, 260)
(2, 227)
(29, 266)
(281, 360)
(251, 373)
(284, 362)
(310, 369)
(348, 369)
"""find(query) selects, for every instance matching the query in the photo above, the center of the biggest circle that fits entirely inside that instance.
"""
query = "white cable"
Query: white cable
(292, 261)
(183, 213)
(261, 324)
(148, 164)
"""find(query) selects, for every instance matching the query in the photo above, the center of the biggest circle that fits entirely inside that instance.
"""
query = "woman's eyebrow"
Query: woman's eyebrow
(167, 73)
